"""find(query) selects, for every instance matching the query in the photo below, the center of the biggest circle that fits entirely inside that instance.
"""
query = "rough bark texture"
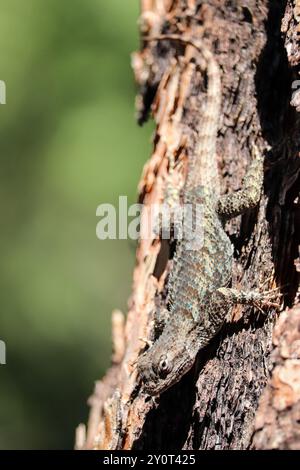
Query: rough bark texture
(277, 424)
(214, 406)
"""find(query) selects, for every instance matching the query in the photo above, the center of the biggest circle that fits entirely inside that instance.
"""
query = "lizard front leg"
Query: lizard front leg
(161, 316)
(223, 299)
(233, 204)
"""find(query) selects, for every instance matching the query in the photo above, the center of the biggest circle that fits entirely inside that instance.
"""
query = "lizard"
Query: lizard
(200, 296)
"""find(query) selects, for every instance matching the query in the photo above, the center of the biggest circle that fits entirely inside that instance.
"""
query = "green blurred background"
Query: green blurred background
(68, 142)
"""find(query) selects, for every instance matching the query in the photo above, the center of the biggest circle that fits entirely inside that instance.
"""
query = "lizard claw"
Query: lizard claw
(267, 299)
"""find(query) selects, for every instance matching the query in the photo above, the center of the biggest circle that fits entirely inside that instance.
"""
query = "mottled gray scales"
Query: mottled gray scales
(246, 198)
(199, 293)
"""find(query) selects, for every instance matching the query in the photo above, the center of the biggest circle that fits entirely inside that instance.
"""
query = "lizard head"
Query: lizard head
(160, 367)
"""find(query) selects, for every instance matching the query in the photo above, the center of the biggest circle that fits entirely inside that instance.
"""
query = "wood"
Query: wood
(214, 406)
(277, 424)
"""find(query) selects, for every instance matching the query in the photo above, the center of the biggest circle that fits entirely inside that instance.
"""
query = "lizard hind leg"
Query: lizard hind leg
(169, 224)
(236, 203)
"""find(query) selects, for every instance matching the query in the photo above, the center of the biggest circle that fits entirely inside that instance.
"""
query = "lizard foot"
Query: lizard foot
(268, 299)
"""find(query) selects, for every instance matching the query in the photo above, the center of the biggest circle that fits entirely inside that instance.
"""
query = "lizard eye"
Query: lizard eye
(164, 367)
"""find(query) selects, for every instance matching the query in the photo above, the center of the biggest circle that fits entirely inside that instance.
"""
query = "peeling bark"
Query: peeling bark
(214, 405)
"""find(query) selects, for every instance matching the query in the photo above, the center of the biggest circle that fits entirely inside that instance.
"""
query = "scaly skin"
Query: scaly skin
(197, 274)
(198, 290)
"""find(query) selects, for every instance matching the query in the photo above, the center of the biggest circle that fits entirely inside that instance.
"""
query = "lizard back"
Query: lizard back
(198, 272)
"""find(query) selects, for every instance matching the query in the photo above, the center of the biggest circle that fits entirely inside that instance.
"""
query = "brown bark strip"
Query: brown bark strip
(277, 422)
(214, 406)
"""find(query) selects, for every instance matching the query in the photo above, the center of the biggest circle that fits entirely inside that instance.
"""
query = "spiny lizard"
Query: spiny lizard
(199, 292)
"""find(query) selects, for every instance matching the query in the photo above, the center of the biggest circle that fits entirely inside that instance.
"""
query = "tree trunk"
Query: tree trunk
(214, 406)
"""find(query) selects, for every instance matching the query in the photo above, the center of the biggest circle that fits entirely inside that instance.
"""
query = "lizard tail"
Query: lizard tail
(203, 169)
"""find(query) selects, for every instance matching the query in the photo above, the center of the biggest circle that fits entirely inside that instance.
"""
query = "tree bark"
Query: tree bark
(277, 424)
(215, 405)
